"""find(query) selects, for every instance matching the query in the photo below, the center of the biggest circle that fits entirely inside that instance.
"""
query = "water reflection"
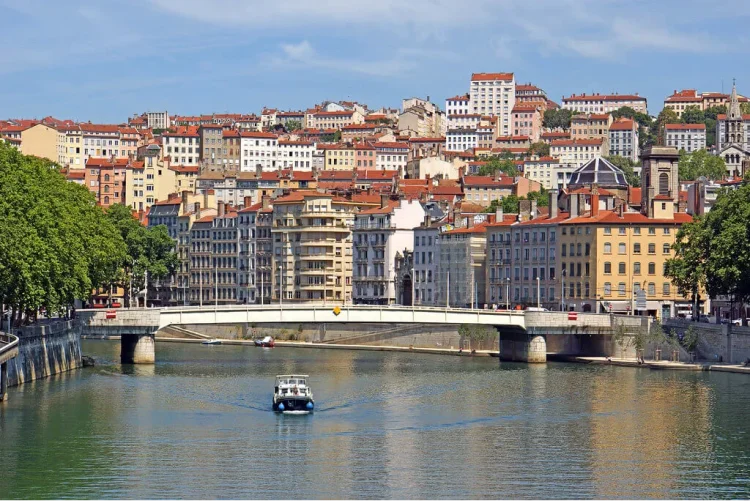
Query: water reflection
(198, 425)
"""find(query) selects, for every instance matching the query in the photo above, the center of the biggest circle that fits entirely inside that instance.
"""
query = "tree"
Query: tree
(693, 115)
(627, 166)
(494, 164)
(701, 163)
(540, 149)
(557, 119)
(541, 197)
(292, 125)
(710, 115)
(56, 244)
(687, 270)
(745, 108)
(667, 116)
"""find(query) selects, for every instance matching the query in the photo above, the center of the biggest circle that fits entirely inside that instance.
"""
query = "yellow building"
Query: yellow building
(39, 140)
(339, 157)
(70, 147)
(148, 181)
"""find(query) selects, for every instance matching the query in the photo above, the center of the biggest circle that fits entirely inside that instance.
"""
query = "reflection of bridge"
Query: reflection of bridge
(523, 335)
(8, 351)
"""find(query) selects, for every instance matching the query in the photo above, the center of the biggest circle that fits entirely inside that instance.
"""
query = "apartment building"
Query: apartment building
(339, 156)
(247, 287)
(493, 94)
(379, 235)
(391, 156)
(482, 190)
(333, 119)
(604, 103)
(591, 126)
(462, 266)
(38, 139)
(461, 139)
(106, 180)
(312, 247)
(70, 147)
(526, 93)
(296, 155)
(548, 172)
(680, 100)
(575, 152)
(457, 105)
(182, 145)
(623, 139)
(688, 137)
(100, 141)
(148, 181)
(426, 260)
(527, 121)
(158, 120)
(259, 150)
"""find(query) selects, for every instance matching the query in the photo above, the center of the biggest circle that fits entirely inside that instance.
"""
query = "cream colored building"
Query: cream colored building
(39, 140)
(70, 147)
(575, 152)
(312, 247)
(604, 103)
(149, 181)
(591, 126)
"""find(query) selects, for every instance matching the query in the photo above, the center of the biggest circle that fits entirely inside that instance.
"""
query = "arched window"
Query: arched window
(106, 189)
(106, 178)
(106, 200)
(663, 183)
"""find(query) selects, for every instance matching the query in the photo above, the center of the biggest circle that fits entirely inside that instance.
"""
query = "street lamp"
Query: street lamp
(563, 289)
(538, 297)
(507, 293)
(413, 297)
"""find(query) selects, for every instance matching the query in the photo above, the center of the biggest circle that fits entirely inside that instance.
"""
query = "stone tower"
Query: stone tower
(733, 131)
(659, 180)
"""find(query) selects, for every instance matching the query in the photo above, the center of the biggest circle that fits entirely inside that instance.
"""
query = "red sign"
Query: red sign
(572, 315)
(111, 314)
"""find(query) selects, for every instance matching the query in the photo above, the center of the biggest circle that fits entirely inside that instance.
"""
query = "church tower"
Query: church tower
(660, 187)
(733, 130)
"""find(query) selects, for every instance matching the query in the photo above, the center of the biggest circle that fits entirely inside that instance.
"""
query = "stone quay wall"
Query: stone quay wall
(728, 343)
(45, 350)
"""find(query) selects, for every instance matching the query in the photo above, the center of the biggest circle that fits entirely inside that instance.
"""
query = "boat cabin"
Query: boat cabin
(291, 385)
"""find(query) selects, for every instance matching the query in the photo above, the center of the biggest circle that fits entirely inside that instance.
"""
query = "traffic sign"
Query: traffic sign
(572, 315)
(640, 300)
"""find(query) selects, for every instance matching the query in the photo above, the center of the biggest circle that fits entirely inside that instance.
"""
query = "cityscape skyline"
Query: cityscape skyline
(125, 58)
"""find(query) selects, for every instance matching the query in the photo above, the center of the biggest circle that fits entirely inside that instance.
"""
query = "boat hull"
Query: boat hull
(292, 405)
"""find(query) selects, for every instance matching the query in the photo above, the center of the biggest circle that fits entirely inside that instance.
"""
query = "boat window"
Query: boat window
(301, 381)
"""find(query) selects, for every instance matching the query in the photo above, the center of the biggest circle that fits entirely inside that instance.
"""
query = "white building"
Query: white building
(378, 235)
(391, 156)
(493, 94)
(246, 221)
(604, 103)
(259, 148)
(426, 264)
(623, 139)
(575, 152)
(547, 171)
(688, 137)
(158, 119)
(297, 155)
(457, 105)
(183, 146)
(461, 139)
(469, 121)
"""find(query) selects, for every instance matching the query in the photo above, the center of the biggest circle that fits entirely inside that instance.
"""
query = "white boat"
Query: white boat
(292, 395)
(212, 341)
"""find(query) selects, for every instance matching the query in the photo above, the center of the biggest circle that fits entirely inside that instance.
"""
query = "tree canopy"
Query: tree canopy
(701, 163)
(540, 149)
(645, 124)
(501, 163)
(557, 119)
(511, 203)
(714, 250)
(57, 245)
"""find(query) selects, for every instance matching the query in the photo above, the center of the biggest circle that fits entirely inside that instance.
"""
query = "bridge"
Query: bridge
(523, 335)
(8, 351)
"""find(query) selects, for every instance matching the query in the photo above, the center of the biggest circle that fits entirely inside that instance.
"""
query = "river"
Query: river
(198, 424)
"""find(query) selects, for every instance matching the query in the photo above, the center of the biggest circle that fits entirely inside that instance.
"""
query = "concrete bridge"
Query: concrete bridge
(8, 351)
(524, 336)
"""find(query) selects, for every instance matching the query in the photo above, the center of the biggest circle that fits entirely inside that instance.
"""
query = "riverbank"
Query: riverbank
(652, 364)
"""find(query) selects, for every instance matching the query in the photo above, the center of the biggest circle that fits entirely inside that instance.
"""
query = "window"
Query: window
(666, 248)
(652, 248)
(666, 289)
(636, 268)
(666, 231)
(621, 268)
(607, 231)
(621, 230)
(621, 248)
(651, 289)
(636, 248)
(652, 231)
(637, 231)
(607, 268)
(621, 289)
(608, 248)
(651, 268)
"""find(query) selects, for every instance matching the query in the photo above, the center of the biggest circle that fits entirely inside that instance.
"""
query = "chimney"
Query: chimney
(594, 204)
(205, 199)
(197, 210)
(429, 180)
(533, 209)
(266, 201)
(222, 208)
(258, 170)
(427, 221)
(248, 201)
(184, 201)
(552, 203)
(384, 200)
(524, 210)
(573, 205)
(491, 218)
(456, 216)
(499, 216)
(461, 171)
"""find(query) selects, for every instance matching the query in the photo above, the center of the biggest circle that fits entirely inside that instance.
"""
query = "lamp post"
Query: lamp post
(563, 289)
(413, 297)
(507, 293)
(538, 289)
(281, 285)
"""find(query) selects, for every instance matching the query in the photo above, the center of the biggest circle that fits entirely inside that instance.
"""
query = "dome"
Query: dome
(600, 172)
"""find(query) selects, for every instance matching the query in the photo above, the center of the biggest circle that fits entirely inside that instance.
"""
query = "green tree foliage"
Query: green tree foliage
(540, 149)
(56, 244)
(693, 115)
(541, 197)
(667, 116)
(646, 135)
(557, 119)
(701, 163)
(148, 249)
(745, 108)
(710, 115)
(714, 250)
(627, 166)
(503, 164)
(292, 125)
(510, 204)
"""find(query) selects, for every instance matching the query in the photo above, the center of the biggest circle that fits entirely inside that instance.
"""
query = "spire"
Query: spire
(734, 104)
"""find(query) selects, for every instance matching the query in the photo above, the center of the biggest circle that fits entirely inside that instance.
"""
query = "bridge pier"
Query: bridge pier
(137, 349)
(518, 347)
(3, 381)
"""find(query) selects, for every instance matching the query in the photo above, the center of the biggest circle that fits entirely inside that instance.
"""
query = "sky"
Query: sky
(105, 60)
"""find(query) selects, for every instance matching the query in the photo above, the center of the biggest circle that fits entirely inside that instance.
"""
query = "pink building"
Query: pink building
(527, 121)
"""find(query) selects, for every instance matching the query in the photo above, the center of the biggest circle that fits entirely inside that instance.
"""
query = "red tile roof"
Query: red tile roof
(605, 97)
(578, 142)
(478, 77)
(622, 124)
(503, 181)
(258, 135)
(685, 126)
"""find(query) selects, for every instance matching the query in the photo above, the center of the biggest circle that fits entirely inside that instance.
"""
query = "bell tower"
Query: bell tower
(660, 187)
(733, 130)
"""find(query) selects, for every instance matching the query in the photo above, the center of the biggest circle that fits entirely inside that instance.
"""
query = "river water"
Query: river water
(198, 424)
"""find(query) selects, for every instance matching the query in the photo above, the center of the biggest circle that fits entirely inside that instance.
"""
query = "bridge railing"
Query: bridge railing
(8, 346)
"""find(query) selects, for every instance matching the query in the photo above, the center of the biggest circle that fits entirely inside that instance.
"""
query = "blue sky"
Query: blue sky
(103, 60)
